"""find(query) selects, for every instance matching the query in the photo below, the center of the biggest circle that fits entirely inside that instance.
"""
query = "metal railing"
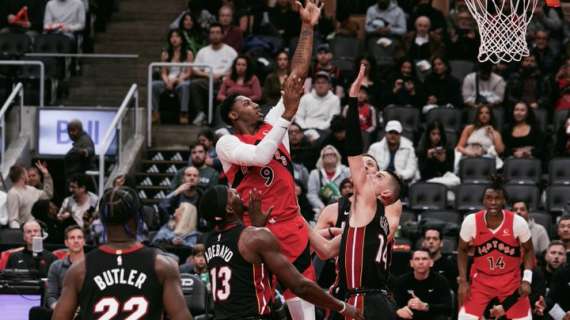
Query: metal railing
(30, 63)
(151, 67)
(115, 129)
(83, 55)
(17, 91)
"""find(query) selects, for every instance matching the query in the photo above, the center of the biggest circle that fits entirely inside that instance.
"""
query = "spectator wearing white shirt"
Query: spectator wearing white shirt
(540, 239)
(483, 87)
(66, 16)
(396, 153)
(218, 55)
(317, 108)
(21, 197)
(81, 204)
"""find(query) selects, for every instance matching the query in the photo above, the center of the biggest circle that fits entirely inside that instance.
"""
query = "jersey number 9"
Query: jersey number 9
(267, 174)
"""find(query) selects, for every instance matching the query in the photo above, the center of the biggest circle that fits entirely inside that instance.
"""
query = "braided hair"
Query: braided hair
(118, 206)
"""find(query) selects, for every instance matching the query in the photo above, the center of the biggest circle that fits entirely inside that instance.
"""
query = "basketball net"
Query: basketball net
(502, 27)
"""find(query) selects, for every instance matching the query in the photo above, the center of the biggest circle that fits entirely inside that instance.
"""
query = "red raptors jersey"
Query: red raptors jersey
(274, 180)
(496, 253)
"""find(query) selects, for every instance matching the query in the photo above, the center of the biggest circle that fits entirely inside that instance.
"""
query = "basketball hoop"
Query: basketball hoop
(502, 26)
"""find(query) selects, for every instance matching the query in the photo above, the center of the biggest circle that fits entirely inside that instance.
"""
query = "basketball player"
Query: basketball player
(331, 220)
(240, 259)
(122, 278)
(497, 237)
(257, 156)
(366, 243)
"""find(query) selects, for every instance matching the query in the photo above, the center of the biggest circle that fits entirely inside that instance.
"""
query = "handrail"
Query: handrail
(83, 55)
(115, 124)
(30, 63)
(18, 90)
(149, 92)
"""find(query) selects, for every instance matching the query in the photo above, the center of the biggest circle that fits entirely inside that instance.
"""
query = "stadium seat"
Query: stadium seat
(408, 116)
(54, 43)
(524, 192)
(345, 50)
(195, 293)
(5, 255)
(428, 196)
(461, 68)
(544, 219)
(468, 197)
(476, 170)
(384, 55)
(449, 117)
(523, 171)
(11, 236)
(559, 171)
(14, 45)
(557, 199)
(449, 245)
(541, 116)
(559, 118)
(443, 215)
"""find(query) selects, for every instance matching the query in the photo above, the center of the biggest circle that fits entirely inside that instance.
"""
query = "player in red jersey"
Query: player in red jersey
(257, 156)
(497, 237)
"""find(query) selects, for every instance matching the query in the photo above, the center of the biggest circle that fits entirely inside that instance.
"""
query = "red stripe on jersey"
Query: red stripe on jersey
(263, 291)
(354, 256)
(357, 301)
(107, 249)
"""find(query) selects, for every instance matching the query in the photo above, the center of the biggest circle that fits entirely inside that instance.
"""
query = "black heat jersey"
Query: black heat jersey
(365, 254)
(121, 284)
(239, 289)
(343, 212)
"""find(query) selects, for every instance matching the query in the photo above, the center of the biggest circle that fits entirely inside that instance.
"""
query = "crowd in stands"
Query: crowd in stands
(500, 113)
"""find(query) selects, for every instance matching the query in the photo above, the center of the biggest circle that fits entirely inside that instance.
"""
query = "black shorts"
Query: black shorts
(374, 305)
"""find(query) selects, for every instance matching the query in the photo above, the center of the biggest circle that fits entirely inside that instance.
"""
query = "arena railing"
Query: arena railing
(18, 91)
(149, 91)
(40, 64)
(114, 130)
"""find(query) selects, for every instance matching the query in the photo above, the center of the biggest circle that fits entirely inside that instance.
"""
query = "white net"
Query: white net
(502, 26)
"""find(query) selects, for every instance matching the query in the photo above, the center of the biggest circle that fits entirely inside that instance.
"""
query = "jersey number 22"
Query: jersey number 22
(110, 306)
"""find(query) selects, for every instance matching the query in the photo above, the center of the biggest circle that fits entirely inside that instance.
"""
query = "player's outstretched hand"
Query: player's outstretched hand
(355, 87)
(524, 289)
(258, 217)
(352, 313)
(292, 92)
(311, 13)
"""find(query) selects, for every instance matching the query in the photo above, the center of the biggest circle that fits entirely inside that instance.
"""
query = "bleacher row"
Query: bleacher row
(15, 46)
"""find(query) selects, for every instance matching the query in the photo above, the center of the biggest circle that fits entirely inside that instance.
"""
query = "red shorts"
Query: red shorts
(293, 236)
(485, 288)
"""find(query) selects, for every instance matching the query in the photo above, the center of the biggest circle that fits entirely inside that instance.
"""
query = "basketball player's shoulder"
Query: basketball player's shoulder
(255, 236)
(165, 266)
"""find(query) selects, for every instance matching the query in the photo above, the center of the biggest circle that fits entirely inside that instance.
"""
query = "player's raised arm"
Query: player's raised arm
(265, 245)
(231, 150)
(310, 15)
(67, 303)
(354, 142)
(325, 248)
(301, 60)
(172, 297)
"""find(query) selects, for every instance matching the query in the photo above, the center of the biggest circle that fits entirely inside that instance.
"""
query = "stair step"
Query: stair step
(164, 162)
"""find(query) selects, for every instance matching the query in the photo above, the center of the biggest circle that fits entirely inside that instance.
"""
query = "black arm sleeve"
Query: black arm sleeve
(353, 142)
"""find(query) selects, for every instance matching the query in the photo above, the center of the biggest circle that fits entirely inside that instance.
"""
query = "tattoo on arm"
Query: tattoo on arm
(302, 57)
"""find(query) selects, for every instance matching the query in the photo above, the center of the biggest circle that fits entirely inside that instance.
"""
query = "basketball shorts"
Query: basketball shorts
(374, 305)
(293, 237)
(485, 288)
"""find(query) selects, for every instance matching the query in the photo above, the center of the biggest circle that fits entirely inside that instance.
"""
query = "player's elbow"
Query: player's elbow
(302, 288)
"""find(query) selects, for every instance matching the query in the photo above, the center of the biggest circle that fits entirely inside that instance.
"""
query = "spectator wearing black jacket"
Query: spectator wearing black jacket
(435, 156)
(529, 85)
(557, 302)
(444, 265)
(188, 191)
(26, 258)
(523, 138)
(440, 87)
(405, 88)
(422, 294)
(302, 151)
